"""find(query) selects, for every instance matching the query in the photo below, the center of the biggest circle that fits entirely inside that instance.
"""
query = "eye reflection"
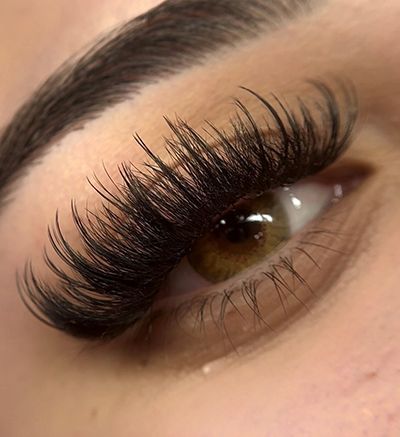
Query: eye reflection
(242, 236)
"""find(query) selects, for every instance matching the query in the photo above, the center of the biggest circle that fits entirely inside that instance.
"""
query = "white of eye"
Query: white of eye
(305, 201)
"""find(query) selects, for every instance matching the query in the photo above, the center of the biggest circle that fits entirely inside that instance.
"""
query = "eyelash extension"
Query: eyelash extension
(143, 229)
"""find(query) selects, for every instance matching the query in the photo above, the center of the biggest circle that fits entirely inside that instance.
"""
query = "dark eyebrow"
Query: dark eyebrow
(172, 36)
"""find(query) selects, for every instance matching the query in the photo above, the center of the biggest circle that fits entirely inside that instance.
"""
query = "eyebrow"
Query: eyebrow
(173, 36)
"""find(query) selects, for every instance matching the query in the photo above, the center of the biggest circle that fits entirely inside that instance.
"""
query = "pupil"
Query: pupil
(236, 227)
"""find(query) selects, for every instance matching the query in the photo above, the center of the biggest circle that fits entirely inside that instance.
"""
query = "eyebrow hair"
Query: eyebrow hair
(166, 39)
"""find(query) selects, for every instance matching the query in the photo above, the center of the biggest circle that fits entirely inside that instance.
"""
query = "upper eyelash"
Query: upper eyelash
(143, 230)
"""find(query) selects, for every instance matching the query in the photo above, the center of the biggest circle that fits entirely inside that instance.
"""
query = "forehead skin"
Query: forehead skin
(338, 371)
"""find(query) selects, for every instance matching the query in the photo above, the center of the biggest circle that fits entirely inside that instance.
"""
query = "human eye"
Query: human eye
(241, 227)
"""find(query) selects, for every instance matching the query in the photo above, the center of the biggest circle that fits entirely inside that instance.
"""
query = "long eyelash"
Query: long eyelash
(150, 222)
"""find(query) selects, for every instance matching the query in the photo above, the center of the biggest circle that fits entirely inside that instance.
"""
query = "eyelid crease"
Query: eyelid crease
(142, 232)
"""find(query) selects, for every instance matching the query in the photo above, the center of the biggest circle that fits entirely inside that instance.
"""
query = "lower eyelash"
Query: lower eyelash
(150, 222)
(203, 313)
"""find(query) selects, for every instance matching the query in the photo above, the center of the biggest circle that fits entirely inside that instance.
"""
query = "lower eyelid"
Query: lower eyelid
(266, 298)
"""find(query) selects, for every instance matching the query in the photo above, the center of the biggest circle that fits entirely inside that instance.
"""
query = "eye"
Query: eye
(200, 219)
(251, 230)
(241, 237)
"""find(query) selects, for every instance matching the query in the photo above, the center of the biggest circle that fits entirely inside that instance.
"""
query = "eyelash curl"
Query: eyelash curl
(149, 221)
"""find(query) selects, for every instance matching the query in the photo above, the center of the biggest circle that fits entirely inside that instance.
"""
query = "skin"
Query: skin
(336, 370)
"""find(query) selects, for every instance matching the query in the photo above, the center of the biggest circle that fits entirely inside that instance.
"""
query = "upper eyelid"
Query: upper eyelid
(167, 38)
(325, 141)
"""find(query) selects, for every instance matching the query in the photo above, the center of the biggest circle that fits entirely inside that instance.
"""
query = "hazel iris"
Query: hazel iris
(243, 236)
